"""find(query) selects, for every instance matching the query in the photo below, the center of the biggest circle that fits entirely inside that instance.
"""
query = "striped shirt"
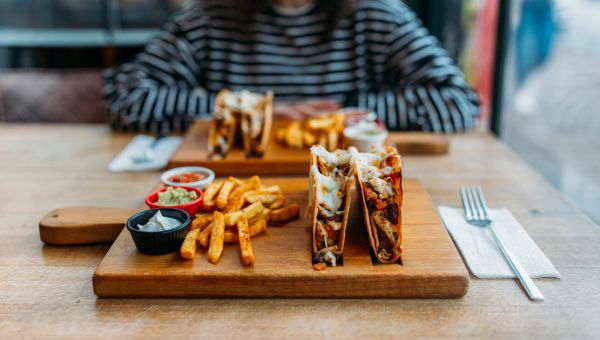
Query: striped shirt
(379, 57)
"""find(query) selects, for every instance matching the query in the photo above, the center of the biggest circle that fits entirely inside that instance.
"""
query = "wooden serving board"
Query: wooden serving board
(431, 266)
(281, 160)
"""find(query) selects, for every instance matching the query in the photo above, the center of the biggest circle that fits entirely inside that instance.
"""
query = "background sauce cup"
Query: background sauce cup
(191, 207)
(365, 136)
(167, 177)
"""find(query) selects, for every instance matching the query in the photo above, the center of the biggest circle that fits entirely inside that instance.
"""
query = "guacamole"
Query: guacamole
(176, 196)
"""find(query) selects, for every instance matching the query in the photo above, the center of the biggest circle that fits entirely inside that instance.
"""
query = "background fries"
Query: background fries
(326, 130)
(230, 204)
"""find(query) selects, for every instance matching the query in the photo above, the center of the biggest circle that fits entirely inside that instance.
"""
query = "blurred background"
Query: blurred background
(535, 63)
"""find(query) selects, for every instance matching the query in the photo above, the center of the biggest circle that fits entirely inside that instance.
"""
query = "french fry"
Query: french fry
(237, 181)
(332, 137)
(230, 237)
(339, 121)
(293, 135)
(308, 139)
(188, 247)
(215, 249)
(273, 189)
(204, 236)
(280, 135)
(264, 215)
(284, 214)
(265, 199)
(323, 140)
(250, 212)
(223, 196)
(208, 201)
(278, 203)
(319, 123)
(246, 253)
(201, 221)
(256, 228)
(236, 199)
(211, 190)
(252, 183)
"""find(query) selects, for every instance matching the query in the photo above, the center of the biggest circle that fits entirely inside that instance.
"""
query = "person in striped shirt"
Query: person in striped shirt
(315, 55)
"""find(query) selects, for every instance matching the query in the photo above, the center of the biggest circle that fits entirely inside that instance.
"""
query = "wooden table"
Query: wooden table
(47, 291)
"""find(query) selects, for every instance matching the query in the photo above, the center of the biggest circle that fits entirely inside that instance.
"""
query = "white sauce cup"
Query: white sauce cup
(365, 136)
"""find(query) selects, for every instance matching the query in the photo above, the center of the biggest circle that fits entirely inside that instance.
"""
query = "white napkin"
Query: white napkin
(481, 253)
(163, 151)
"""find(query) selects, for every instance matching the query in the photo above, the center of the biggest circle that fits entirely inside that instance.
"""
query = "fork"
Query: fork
(476, 213)
(147, 155)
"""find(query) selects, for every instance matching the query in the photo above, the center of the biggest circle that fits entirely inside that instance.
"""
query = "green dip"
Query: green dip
(176, 196)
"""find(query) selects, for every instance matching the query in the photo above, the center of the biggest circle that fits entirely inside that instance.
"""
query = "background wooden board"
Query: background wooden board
(280, 160)
(431, 266)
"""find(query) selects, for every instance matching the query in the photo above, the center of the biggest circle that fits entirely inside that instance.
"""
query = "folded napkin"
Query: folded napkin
(484, 258)
(163, 151)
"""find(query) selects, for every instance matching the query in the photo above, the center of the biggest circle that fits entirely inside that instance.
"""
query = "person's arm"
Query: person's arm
(425, 89)
(159, 90)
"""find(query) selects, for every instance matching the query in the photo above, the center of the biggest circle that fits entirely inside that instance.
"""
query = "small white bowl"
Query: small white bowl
(210, 176)
(365, 136)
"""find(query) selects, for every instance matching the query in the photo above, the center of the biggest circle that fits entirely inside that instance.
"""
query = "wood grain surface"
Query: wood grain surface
(46, 291)
(83, 225)
(431, 266)
(281, 160)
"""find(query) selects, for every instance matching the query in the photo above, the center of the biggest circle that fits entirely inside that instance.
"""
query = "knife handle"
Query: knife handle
(83, 225)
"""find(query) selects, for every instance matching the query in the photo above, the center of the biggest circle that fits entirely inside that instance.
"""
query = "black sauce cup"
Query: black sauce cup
(159, 242)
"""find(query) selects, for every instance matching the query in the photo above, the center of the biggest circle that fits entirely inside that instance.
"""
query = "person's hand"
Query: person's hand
(301, 110)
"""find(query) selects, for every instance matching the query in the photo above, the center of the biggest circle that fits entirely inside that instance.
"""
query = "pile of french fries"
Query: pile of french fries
(233, 211)
(325, 130)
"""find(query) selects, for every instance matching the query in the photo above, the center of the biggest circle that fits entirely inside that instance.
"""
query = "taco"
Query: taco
(330, 184)
(379, 177)
(244, 114)
(256, 122)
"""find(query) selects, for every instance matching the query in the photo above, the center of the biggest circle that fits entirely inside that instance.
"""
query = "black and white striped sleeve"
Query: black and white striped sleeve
(160, 88)
(425, 89)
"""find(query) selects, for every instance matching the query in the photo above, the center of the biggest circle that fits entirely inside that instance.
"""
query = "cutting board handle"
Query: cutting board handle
(83, 225)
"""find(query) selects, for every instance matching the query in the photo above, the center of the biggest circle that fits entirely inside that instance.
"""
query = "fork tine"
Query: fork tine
(483, 203)
(477, 203)
(471, 200)
(466, 207)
